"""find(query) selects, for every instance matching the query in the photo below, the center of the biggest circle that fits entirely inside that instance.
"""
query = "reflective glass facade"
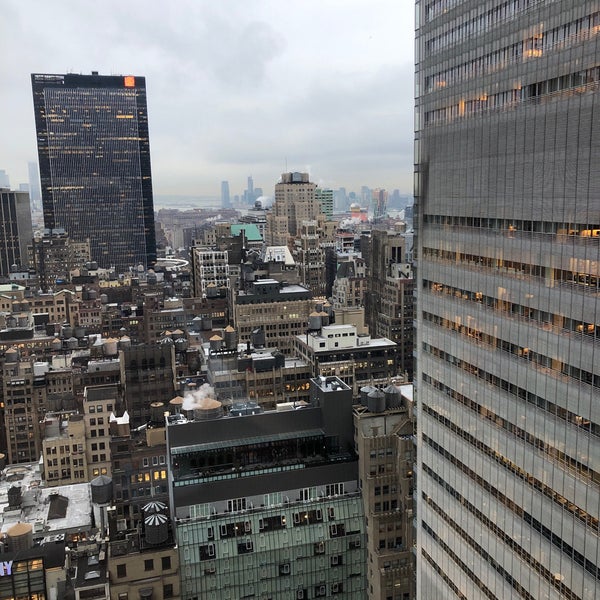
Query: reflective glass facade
(15, 230)
(94, 155)
(507, 192)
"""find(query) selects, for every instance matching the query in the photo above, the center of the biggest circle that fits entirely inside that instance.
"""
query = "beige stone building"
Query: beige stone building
(384, 426)
(98, 404)
(63, 450)
(138, 572)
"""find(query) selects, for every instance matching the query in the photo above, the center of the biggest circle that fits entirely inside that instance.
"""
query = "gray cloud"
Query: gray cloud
(231, 91)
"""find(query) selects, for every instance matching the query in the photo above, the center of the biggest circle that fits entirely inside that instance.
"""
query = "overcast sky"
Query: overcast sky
(235, 87)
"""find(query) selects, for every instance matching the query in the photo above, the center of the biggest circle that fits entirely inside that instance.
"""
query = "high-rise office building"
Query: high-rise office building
(35, 193)
(294, 202)
(225, 197)
(15, 230)
(325, 198)
(4, 179)
(94, 158)
(508, 254)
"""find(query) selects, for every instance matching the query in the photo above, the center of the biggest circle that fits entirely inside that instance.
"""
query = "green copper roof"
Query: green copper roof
(252, 232)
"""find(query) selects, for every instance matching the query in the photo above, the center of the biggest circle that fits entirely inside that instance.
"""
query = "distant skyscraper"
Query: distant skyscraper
(15, 230)
(507, 212)
(94, 157)
(379, 199)
(294, 202)
(35, 194)
(4, 179)
(325, 197)
(225, 199)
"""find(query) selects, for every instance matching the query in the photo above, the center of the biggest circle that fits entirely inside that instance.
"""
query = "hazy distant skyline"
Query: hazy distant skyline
(235, 88)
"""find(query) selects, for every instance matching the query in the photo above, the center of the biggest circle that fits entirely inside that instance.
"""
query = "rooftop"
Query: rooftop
(55, 510)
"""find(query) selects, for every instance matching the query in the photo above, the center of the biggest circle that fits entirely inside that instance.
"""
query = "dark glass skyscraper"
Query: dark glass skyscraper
(508, 314)
(94, 156)
(15, 230)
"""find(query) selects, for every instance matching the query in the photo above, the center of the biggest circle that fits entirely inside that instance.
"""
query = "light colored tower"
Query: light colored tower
(225, 198)
(508, 355)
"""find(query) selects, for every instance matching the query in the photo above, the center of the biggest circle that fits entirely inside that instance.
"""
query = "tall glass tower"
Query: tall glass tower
(94, 156)
(507, 191)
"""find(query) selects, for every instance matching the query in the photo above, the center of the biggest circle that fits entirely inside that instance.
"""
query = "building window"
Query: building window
(149, 564)
(122, 571)
(236, 504)
(335, 489)
(168, 590)
(166, 563)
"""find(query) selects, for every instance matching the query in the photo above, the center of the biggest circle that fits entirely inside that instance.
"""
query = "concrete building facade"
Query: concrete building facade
(507, 212)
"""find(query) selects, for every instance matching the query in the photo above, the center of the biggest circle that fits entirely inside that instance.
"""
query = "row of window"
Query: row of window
(456, 32)
(520, 433)
(512, 468)
(553, 366)
(578, 82)
(543, 318)
(583, 281)
(208, 551)
(533, 46)
(165, 563)
(519, 512)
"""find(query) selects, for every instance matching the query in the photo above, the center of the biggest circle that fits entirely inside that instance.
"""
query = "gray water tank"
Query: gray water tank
(364, 394)
(20, 537)
(124, 342)
(210, 409)
(216, 342)
(376, 401)
(102, 488)
(230, 338)
(157, 413)
(12, 355)
(181, 344)
(314, 321)
(156, 528)
(393, 397)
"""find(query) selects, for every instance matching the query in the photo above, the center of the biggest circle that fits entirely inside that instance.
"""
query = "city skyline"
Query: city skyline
(232, 94)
